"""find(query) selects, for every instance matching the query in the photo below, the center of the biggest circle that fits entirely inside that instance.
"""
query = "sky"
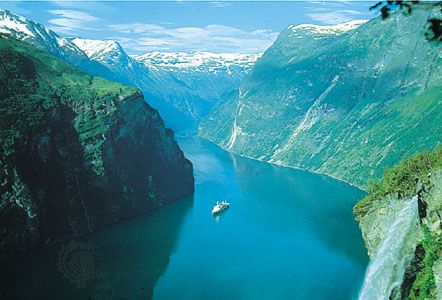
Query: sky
(186, 26)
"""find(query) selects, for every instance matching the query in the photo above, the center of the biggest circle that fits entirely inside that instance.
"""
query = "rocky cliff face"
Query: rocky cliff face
(78, 152)
(342, 100)
(400, 220)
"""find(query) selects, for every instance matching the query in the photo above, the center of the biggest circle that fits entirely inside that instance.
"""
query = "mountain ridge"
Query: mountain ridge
(20, 28)
(175, 60)
(323, 103)
(183, 96)
(183, 88)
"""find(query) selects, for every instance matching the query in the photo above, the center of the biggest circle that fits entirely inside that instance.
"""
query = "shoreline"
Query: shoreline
(283, 165)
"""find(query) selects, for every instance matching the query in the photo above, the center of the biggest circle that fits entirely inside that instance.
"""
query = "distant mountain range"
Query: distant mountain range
(182, 86)
(198, 61)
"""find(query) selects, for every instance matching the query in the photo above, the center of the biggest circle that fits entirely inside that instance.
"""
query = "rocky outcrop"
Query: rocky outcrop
(78, 152)
(407, 266)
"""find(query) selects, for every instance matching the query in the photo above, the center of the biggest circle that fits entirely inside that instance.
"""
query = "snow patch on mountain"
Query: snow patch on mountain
(23, 29)
(196, 60)
(10, 24)
(333, 29)
(96, 49)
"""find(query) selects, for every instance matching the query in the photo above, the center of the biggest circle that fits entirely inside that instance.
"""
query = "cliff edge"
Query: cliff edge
(77, 152)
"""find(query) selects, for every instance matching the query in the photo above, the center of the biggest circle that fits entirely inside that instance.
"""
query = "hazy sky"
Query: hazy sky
(221, 26)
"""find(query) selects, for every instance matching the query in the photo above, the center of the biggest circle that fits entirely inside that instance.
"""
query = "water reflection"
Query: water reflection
(304, 200)
(135, 254)
(288, 234)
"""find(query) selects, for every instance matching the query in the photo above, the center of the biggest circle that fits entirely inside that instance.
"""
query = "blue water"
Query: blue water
(288, 234)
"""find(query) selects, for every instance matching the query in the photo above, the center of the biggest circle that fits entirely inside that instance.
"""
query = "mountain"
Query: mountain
(343, 100)
(78, 152)
(111, 55)
(316, 31)
(210, 75)
(197, 81)
(198, 61)
(182, 86)
(20, 28)
(401, 226)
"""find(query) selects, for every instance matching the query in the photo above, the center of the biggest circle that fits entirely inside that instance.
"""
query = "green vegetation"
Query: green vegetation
(76, 151)
(402, 180)
(347, 105)
(424, 284)
(36, 83)
(414, 175)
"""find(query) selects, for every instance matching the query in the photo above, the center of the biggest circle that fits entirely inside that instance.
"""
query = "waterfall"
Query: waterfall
(386, 269)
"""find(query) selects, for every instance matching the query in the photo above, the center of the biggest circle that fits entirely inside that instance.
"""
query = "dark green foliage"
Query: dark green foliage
(412, 270)
(76, 151)
(436, 29)
(402, 180)
(34, 86)
(413, 176)
(424, 283)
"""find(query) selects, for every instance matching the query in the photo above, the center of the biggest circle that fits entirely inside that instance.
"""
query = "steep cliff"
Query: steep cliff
(77, 152)
(345, 100)
(400, 220)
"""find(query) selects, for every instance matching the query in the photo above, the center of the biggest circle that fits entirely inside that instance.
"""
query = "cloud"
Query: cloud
(90, 5)
(334, 17)
(143, 37)
(71, 21)
(73, 14)
(220, 4)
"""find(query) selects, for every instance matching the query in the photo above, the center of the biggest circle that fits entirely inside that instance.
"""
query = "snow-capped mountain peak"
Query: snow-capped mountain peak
(97, 49)
(111, 55)
(332, 29)
(14, 24)
(20, 28)
(195, 60)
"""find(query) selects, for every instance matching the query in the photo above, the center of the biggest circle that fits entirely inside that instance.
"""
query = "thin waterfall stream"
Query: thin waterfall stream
(387, 267)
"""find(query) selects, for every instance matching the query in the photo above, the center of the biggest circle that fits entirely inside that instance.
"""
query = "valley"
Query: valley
(324, 137)
(280, 232)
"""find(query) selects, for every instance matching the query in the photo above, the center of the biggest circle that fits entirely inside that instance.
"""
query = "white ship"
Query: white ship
(219, 207)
